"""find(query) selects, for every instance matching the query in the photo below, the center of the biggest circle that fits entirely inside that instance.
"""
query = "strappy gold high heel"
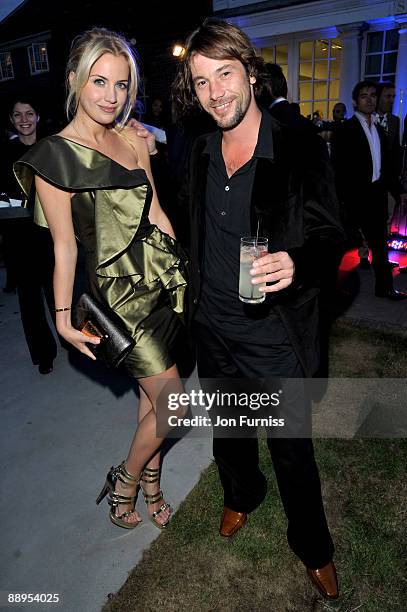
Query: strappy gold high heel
(150, 476)
(116, 499)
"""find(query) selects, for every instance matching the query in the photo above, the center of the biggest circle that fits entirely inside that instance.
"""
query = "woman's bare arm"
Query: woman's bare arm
(57, 209)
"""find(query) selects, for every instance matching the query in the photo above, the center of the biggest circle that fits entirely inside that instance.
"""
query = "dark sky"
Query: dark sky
(146, 20)
(6, 6)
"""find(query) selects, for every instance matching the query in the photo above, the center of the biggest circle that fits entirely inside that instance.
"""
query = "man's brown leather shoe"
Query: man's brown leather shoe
(325, 580)
(231, 522)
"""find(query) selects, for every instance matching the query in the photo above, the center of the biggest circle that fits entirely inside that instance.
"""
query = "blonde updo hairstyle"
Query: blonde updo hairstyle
(86, 49)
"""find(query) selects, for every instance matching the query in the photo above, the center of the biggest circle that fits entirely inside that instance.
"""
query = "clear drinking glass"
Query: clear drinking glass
(250, 249)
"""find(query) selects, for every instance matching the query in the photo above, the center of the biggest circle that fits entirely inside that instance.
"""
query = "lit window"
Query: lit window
(38, 58)
(277, 54)
(381, 55)
(6, 66)
(318, 85)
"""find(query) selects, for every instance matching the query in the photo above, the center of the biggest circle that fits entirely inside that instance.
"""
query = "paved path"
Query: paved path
(59, 435)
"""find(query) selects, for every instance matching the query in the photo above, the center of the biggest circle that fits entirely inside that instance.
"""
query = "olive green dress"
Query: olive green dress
(132, 266)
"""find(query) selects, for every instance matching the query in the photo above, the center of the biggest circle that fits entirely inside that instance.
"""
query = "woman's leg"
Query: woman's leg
(143, 450)
(152, 488)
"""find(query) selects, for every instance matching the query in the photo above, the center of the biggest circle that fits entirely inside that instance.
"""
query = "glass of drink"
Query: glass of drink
(250, 249)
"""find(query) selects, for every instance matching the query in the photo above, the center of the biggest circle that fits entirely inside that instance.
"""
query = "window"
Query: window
(6, 66)
(318, 85)
(381, 55)
(38, 58)
(277, 54)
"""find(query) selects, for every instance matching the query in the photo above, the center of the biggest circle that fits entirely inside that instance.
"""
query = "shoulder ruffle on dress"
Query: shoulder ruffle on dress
(119, 197)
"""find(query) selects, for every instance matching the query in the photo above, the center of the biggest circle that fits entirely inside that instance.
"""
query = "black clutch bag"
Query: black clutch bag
(93, 319)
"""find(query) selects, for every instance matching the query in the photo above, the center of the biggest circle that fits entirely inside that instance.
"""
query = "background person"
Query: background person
(157, 114)
(386, 94)
(274, 93)
(23, 121)
(364, 173)
(339, 112)
(28, 248)
(328, 127)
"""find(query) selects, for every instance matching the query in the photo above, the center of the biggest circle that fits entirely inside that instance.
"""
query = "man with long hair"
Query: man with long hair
(248, 178)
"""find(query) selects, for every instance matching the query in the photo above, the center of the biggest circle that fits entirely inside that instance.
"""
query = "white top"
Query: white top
(382, 120)
(374, 144)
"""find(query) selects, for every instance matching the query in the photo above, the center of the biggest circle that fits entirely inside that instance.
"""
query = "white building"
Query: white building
(326, 46)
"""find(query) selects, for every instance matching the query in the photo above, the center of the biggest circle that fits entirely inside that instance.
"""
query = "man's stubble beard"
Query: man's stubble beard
(238, 116)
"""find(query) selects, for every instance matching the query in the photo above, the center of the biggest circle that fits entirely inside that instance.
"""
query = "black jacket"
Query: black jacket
(286, 113)
(352, 162)
(293, 199)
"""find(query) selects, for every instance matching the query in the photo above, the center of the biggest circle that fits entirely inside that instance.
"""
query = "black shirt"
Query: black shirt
(227, 219)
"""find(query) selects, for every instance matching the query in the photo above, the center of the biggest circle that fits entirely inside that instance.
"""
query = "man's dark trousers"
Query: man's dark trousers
(373, 222)
(293, 459)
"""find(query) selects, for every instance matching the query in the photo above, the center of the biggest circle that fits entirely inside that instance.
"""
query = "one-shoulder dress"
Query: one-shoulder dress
(132, 266)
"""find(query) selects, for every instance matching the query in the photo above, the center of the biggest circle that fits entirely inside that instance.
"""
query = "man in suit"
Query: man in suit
(244, 178)
(274, 98)
(364, 173)
(274, 95)
(386, 94)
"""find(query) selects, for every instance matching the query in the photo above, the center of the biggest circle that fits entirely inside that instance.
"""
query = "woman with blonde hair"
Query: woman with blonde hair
(93, 180)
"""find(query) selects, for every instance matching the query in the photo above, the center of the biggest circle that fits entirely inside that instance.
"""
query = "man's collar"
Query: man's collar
(213, 143)
(277, 100)
(362, 117)
(264, 146)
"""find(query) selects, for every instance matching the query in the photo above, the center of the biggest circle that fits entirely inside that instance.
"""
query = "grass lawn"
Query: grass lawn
(189, 567)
